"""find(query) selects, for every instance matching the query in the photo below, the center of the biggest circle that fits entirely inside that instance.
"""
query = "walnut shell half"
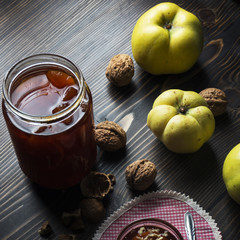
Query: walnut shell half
(96, 185)
(92, 209)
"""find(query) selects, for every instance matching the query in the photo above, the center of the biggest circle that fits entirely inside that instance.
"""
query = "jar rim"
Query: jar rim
(50, 60)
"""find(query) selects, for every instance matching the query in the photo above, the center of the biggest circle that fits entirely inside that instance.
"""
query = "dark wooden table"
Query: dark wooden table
(90, 33)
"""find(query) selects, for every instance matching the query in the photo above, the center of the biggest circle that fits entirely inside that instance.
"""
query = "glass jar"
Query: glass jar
(48, 110)
(143, 228)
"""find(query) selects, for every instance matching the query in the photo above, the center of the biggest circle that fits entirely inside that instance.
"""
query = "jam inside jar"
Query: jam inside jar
(48, 110)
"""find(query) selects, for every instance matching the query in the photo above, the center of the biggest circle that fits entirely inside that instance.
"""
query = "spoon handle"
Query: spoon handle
(189, 226)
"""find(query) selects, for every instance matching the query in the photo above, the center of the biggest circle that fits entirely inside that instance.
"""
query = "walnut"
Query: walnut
(120, 70)
(96, 185)
(73, 220)
(110, 136)
(141, 174)
(92, 209)
(216, 100)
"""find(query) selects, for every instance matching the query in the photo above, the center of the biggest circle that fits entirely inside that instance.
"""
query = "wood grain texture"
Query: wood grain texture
(90, 33)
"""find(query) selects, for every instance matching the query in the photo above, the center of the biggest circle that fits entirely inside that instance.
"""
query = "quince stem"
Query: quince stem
(168, 26)
(183, 110)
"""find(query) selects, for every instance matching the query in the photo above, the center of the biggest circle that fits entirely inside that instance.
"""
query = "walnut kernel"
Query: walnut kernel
(216, 100)
(120, 70)
(67, 237)
(92, 209)
(95, 185)
(73, 220)
(113, 180)
(141, 174)
(110, 136)
(45, 229)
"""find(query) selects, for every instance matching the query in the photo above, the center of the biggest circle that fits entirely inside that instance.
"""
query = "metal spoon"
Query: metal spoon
(189, 226)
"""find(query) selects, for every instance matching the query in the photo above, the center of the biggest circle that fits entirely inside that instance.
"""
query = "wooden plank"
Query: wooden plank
(90, 33)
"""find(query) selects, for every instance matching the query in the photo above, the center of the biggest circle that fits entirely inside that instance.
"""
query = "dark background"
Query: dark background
(90, 33)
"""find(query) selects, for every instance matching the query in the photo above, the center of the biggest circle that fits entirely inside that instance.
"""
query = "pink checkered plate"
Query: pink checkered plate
(167, 205)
